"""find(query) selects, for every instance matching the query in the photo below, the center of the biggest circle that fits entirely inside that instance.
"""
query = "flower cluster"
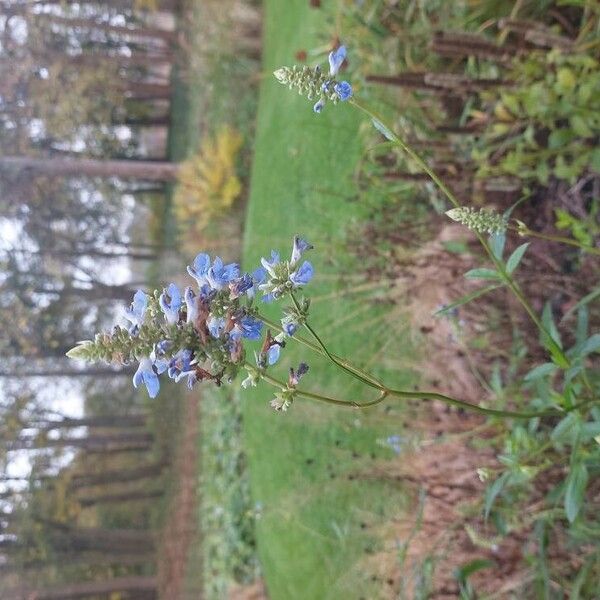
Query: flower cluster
(482, 220)
(313, 83)
(198, 334)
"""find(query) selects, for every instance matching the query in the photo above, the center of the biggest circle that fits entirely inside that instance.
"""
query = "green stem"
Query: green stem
(341, 362)
(385, 392)
(350, 369)
(523, 230)
(516, 290)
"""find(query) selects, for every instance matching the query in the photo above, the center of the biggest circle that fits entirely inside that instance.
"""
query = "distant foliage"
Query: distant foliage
(547, 124)
(207, 183)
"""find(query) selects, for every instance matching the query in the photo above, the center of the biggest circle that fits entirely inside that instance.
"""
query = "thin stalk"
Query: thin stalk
(350, 369)
(385, 392)
(341, 362)
(523, 230)
(516, 290)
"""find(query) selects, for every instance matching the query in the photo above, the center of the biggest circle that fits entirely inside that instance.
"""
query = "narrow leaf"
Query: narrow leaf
(540, 371)
(492, 492)
(465, 299)
(483, 274)
(515, 258)
(575, 492)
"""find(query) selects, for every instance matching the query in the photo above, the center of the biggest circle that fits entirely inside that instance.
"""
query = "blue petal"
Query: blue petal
(175, 295)
(273, 354)
(303, 275)
(300, 246)
(343, 90)
(152, 383)
(318, 107)
(336, 58)
(202, 263)
(140, 302)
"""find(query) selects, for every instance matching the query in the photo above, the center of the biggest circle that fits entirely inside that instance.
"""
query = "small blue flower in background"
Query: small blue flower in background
(318, 107)
(303, 275)
(200, 268)
(216, 326)
(179, 366)
(145, 374)
(300, 246)
(258, 276)
(191, 303)
(219, 275)
(343, 89)
(135, 313)
(336, 58)
(395, 443)
(247, 327)
(170, 302)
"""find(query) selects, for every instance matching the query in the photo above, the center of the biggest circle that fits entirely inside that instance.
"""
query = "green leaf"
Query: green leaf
(592, 344)
(583, 320)
(540, 371)
(580, 126)
(595, 160)
(497, 242)
(465, 299)
(575, 493)
(566, 79)
(483, 274)
(491, 493)
(383, 130)
(550, 326)
(515, 258)
(585, 300)
(566, 429)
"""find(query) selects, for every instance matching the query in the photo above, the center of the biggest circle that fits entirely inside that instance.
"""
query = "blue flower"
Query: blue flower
(163, 347)
(171, 307)
(318, 107)
(145, 374)
(300, 246)
(336, 58)
(269, 265)
(303, 275)
(179, 366)
(273, 354)
(219, 275)
(343, 89)
(135, 313)
(294, 377)
(247, 327)
(240, 286)
(215, 325)
(289, 328)
(191, 303)
(200, 268)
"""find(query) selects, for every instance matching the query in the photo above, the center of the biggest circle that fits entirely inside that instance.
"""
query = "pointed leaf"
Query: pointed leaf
(515, 258)
(575, 492)
(465, 299)
(483, 274)
(540, 371)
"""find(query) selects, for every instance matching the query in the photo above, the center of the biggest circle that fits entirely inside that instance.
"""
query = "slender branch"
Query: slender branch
(555, 348)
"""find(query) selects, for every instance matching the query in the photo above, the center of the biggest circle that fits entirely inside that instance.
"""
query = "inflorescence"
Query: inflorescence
(313, 83)
(480, 220)
(198, 335)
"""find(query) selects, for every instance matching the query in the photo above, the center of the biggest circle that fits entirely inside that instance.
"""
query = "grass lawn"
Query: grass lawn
(318, 512)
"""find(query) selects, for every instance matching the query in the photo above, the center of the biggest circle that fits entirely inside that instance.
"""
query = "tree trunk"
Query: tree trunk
(84, 480)
(74, 591)
(89, 167)
(105, 421)
(88, 501)
(93, 443)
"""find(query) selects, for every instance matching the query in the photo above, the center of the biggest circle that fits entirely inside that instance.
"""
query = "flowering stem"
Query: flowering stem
(523, 230)
(385, 392)
(350, 369)
(555, 348)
